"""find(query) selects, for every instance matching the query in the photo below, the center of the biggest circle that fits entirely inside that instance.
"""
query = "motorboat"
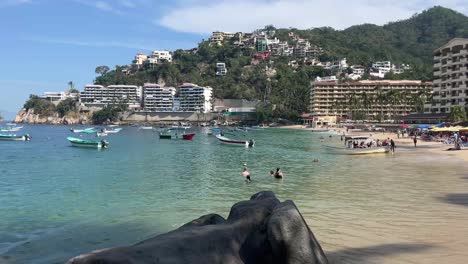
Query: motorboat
(82, 143)
(112, 131)
(146, 128)
(248, 144)
(358, 151)
(88, 130)
(188, 136)
(12, 137)
(10, 129)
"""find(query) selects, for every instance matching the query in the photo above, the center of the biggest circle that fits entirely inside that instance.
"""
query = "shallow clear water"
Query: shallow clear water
(57, 201)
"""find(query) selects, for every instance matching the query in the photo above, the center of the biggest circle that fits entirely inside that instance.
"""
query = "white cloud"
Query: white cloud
(127, 3)
(247, 15)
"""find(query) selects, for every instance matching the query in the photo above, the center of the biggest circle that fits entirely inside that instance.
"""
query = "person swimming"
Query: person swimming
(316, 160)
(246, 174)
(278, 173)
(272, 173)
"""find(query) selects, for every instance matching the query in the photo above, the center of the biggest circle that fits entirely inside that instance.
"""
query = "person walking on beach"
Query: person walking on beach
(246, 175)
(415, 140)
(392, 146)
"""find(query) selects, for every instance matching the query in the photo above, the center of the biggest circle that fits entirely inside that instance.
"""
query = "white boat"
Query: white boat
(358, 151)
(86, 130)
(112, 131)
(10, 129)
(320, 130)
(225, 140)
(10, 124)
(101, 134)
(146, 128)
(12, 137)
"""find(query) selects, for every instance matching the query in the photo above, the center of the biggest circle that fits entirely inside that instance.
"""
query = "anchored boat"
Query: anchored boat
(10, 129)
(358, 151)
(89, 130)
(12, 137)
(188, 136)
(77, 142)
(248, 144)
(112, 131)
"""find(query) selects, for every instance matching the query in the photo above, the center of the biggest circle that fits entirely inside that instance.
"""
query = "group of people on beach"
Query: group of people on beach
(277, 175)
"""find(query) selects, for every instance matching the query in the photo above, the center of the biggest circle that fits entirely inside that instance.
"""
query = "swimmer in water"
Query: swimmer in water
(246, 174)
(278, 173)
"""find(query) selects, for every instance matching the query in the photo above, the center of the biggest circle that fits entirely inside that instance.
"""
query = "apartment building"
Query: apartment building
(139, 60)
(333, 99)
(218, 37)
(194, 98)
(162, 55)
(450, 76)
(157, 98)
(101, 96)
(221, 69)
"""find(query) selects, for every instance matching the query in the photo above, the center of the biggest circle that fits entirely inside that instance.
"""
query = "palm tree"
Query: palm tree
(381, 100)
(366, 102)
(457, 114)
(394, 98)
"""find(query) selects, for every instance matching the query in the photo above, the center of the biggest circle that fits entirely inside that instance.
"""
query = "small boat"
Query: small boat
(10, 129)
(112, 125)
(76, 142)
(12, 137)
(101, 134)
(165, 136)
(146, 128)
(188, 136)
(225, 140)
(112, 131)
(10, 124)
(358, 151)
(320, 130)
(89, 130)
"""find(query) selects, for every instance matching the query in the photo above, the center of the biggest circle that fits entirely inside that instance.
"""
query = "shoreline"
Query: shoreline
(436, 148)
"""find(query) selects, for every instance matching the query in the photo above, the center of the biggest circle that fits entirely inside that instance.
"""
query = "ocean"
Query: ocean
(58, 201)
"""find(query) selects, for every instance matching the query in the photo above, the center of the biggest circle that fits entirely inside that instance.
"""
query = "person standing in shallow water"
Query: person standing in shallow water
(246, 175)
(392, 146)
(415, 140)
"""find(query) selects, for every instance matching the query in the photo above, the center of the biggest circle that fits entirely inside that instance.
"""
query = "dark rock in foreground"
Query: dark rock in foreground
(261, 230)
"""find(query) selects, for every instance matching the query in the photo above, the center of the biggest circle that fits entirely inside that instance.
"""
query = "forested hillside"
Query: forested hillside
(277, 83)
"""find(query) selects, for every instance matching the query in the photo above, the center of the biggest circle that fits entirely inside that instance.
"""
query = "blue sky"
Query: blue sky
(46, 43)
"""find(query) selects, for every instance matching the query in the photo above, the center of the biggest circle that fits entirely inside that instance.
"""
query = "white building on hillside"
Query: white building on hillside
(326, 79)
(57, 97)
(101, 96)
(194, 98)
(140, 60)
(221, 69)
(162, 55)
(157, 98)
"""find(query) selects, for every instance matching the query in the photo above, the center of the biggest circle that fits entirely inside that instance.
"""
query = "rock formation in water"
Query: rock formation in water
(260, 230)
(30, 117)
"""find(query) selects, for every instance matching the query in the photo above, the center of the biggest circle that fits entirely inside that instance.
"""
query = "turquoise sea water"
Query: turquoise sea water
(57, 201)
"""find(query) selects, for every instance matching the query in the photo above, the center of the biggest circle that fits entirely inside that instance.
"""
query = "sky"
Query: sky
(45, 44)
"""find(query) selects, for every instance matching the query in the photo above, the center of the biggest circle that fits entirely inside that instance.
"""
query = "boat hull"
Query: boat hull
(231, 142)
(76, 142)
(359, 151)
(165, 136)
(13, 138)
(188, 136)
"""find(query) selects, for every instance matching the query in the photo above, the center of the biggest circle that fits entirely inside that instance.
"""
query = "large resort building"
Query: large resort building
(101, 96)
(334, 99)
(450, 76)
(194, 98)
(157, 98)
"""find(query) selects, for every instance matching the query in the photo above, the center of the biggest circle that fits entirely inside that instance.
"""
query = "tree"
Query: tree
(101, 70)
(66, 106)
(457, 114)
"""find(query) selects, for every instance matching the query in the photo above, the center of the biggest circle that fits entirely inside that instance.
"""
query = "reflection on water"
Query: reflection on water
(57, 201)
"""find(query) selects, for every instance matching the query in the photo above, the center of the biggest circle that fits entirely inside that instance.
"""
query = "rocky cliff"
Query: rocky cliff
(29, 117)
(261, 230)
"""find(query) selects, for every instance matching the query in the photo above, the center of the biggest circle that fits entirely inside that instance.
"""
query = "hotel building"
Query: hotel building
(450, 76)
(157, 98)
(194, 98)
(57, 97)
(332, 98)
(101, 96)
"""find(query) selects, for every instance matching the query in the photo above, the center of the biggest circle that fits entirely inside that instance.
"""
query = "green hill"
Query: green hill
(286, 89)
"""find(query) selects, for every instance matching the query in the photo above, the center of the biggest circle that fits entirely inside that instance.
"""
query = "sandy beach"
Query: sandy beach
(434, 231)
